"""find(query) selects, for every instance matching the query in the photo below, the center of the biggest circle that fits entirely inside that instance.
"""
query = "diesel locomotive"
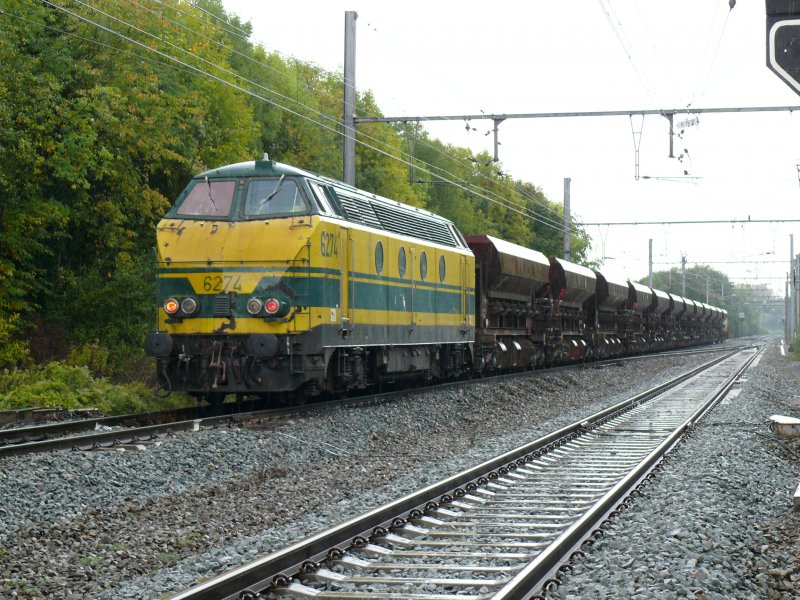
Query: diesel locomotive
(275, 280)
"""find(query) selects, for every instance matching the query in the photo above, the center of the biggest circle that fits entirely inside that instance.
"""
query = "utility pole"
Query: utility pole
(792, 295)
(796, 284)
(706, 290)
(786, 312)
(349, 145)
(650, 263)
(683, 275)
(566, 217)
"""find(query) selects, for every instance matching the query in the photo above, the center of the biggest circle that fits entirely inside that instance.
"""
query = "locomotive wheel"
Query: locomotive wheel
(300, 396)
(215, 400)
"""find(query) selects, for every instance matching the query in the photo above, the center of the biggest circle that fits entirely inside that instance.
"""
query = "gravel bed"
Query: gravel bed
(142, 524)
(717, 523)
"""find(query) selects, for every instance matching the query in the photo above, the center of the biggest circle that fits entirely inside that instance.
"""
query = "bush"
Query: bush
(105, 315)
(91, 355)
(13, 351)
(793, 348)
(57, 384)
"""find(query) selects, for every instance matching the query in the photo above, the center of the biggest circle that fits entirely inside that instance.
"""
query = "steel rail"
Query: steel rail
(41, 438)
(545, 566)
(28, 433)
(285, 563)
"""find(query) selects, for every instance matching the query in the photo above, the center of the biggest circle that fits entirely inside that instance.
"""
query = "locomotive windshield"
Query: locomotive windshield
(273, 196)
(256, 198)
(207, 199)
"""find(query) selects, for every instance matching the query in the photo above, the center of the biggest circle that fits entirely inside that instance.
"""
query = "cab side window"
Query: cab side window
(321, 198)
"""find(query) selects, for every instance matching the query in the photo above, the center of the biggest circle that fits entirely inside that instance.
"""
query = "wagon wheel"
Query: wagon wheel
(215, 400)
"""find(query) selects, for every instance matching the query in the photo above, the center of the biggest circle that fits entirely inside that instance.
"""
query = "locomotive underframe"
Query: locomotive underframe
(212, 365)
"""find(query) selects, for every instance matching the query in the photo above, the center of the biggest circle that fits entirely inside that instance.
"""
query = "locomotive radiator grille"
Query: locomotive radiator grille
(222, 306)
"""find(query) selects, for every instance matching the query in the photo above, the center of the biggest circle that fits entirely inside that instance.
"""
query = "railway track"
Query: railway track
(503, 529)
(132, 430)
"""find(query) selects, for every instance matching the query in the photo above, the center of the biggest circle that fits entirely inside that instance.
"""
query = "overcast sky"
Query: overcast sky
(466, 57)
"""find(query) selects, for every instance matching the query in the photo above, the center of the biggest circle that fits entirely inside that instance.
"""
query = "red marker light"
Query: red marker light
(171, 306)
(272, 306)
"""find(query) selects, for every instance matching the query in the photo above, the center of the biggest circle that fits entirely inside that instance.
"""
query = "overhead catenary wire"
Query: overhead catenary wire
(90, 41)
(555, 221)
(605, 6)
(697, 222)
(199, 71)
(215, 17)
(504, 202)
(550, 209)
(422, 64)
(107, 46)
(716, 52)
(724, 262)
(649, 36)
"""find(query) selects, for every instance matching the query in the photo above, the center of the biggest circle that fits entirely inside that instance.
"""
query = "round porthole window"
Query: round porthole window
(441, 269)
(423, 266)
(379, 258)
(401, 262)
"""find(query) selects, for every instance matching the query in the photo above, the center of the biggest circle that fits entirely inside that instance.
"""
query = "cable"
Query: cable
(649, 36)
(714, 58)
(503, 201)
(555, 222)
(420, 63)
(547, 207)
(213, 16)
(88, 40)
(625, 46)
(197, 70)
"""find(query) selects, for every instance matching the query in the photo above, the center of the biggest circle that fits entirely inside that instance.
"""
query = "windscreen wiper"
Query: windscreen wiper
(273, 193)
(210, 197)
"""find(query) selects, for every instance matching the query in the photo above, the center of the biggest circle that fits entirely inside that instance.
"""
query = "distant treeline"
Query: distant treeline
(108, 109)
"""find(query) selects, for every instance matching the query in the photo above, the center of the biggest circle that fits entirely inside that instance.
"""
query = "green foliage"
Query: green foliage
(91, 355)
(57, 384)
(91, 560)
(112, 307)
(793, 348)
(99, 135)
(13, 350)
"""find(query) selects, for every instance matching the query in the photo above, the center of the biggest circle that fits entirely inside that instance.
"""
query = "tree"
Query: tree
(752, 308)
(100, 132)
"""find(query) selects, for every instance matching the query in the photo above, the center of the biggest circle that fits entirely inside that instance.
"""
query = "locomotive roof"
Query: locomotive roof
(357, 206)
(256, 167)
(266, 168)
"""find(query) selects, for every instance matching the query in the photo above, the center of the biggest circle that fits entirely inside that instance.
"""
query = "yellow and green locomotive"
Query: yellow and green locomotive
(272, 279)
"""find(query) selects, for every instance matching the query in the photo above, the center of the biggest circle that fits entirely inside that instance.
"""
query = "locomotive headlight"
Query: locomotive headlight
(254, 306)
(272, 306)
(189, 305)
(171, 306)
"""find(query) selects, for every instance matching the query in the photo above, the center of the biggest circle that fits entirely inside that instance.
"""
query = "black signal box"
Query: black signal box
(783, 40)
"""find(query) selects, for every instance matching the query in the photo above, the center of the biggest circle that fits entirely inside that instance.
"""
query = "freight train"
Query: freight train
(278, 282)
